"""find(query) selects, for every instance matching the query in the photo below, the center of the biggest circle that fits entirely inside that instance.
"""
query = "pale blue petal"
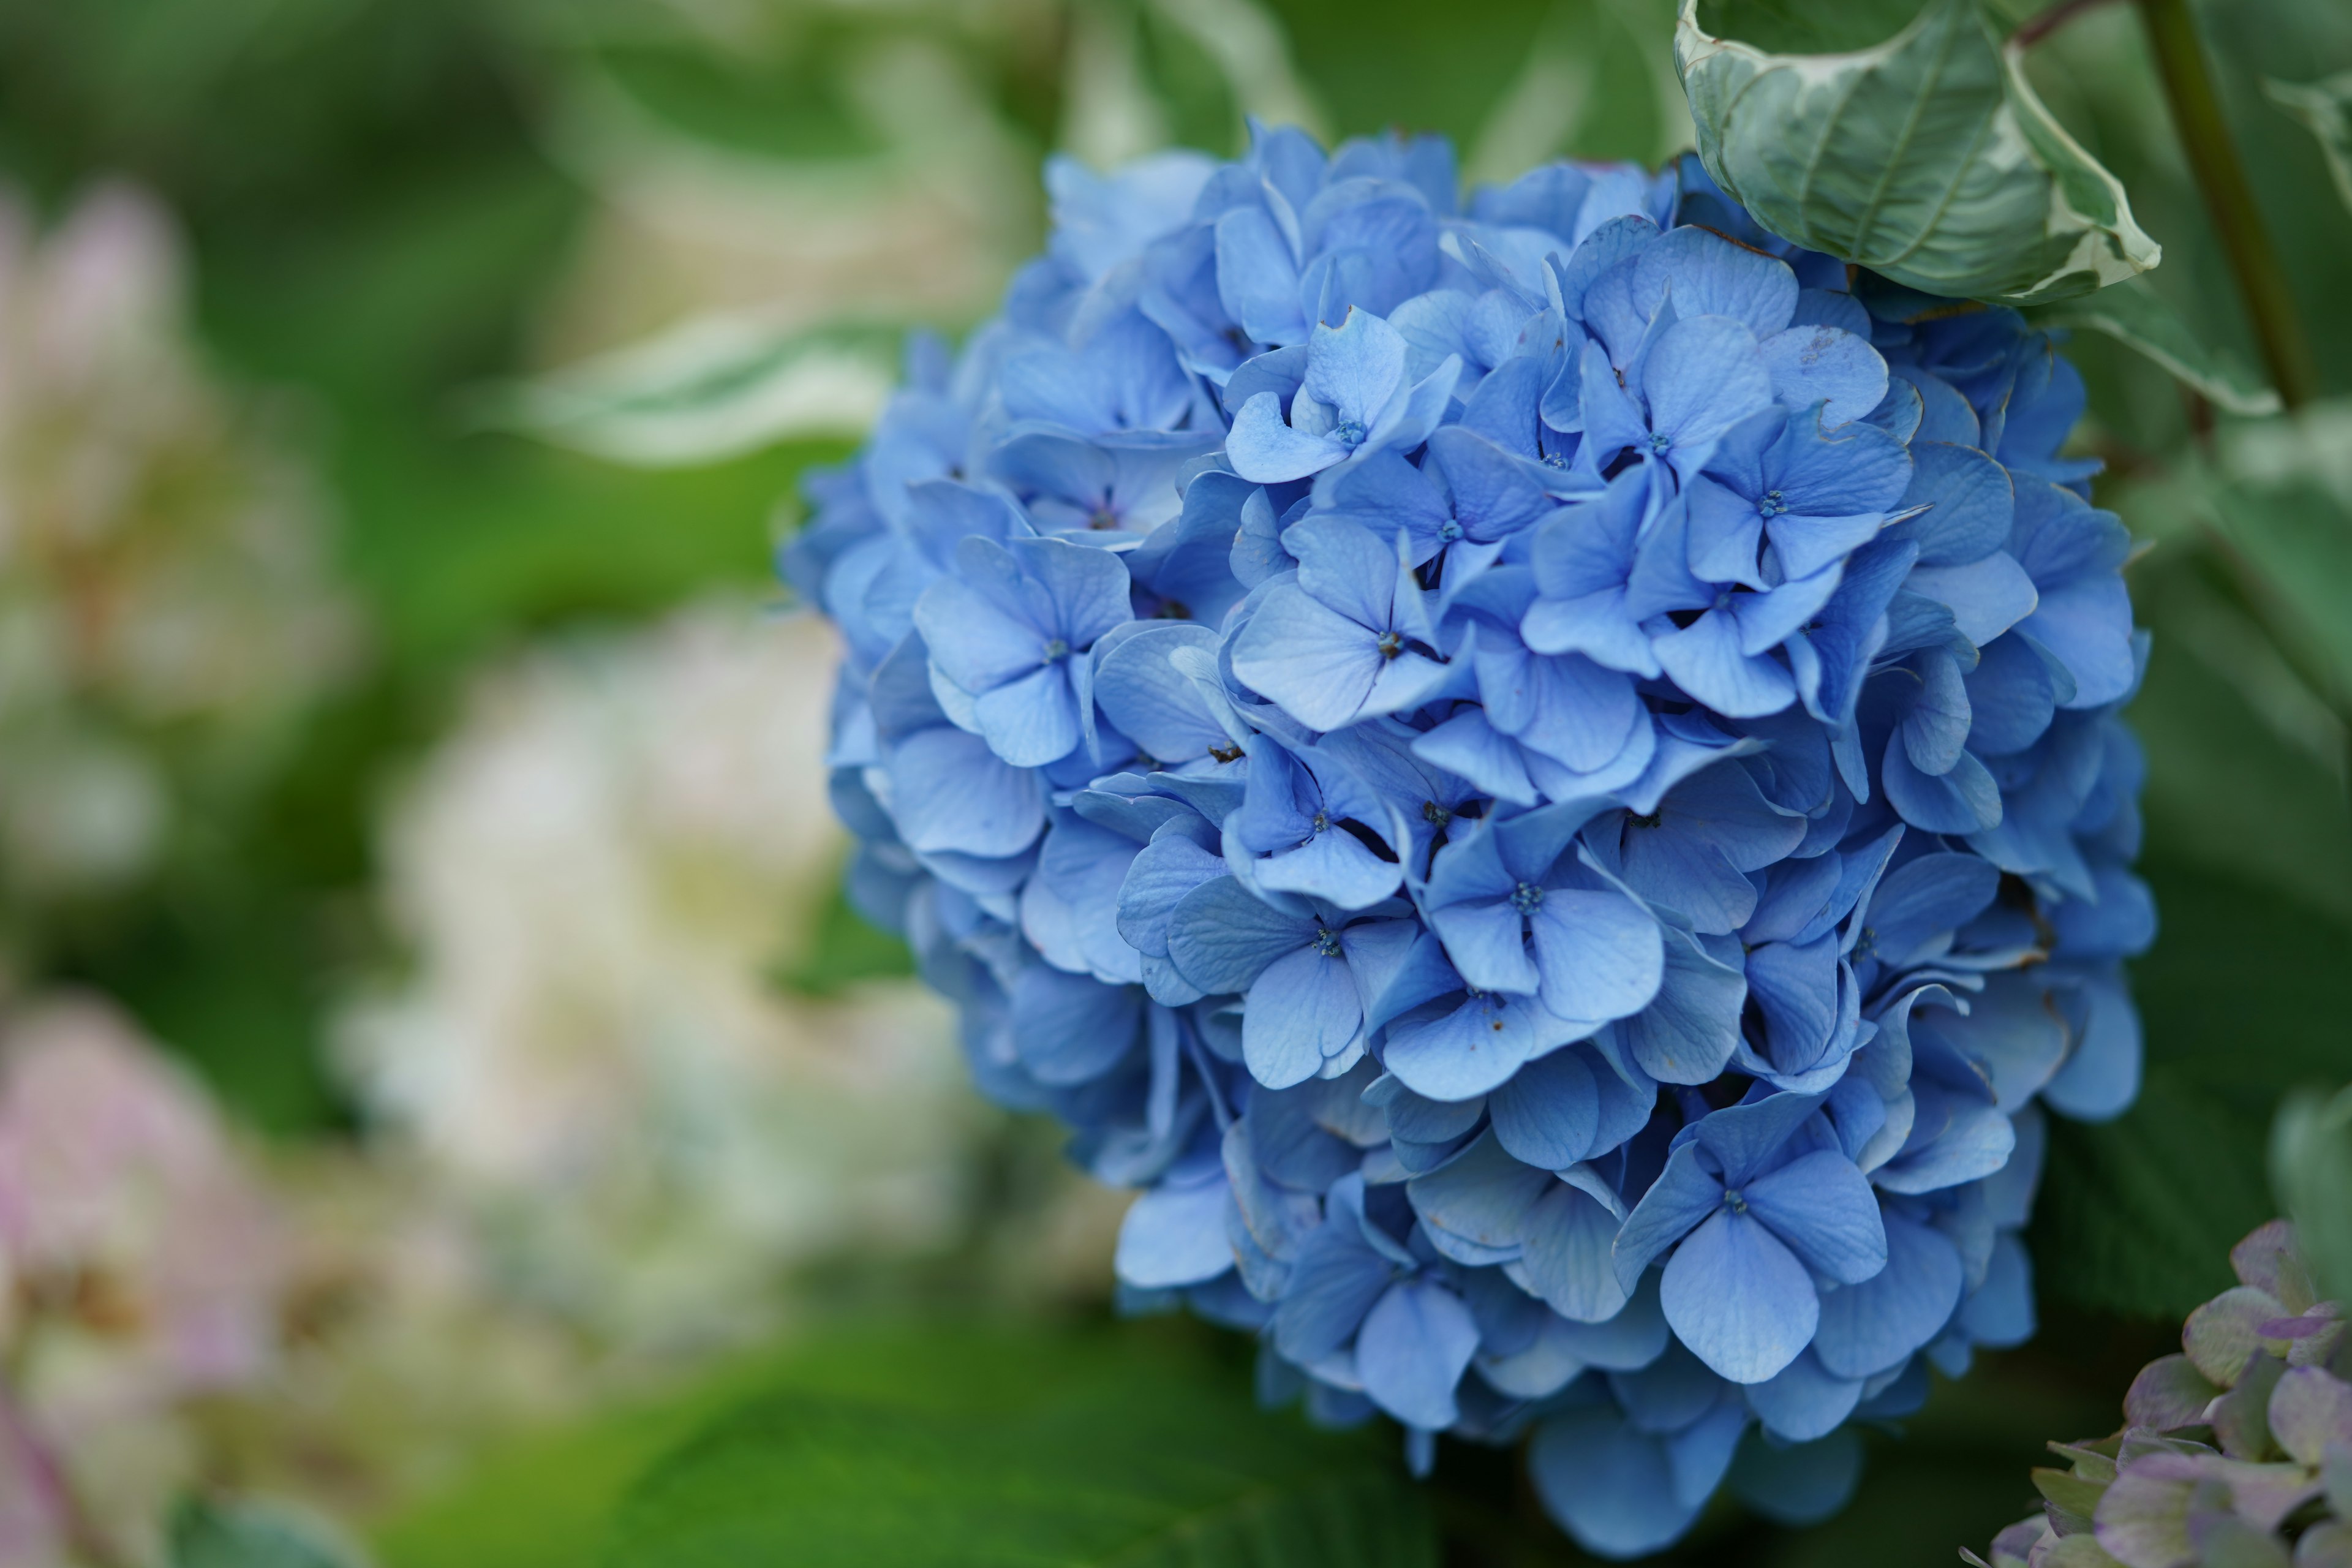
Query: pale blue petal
(1175, 1236)
(1548, 1111)
(1689, 1031)
(1221, 939)
(1824, 1210)
(1703, 375)
(1825, 365)
(1071, 1028)
(1705, 659)
(1804, 1401)
(1415, 1346)
(1600, 954)
(1474, 1048)
(1485, 941)
(950, 795)
(1258, 277)
(1684, 1194)
(1355, 367)
(1301, 1010)
(1154, 703)
(1032, 721)
(1962, 801)
(1609, 1486)
(1739, 1298)
(1875, 1326)
(1335, 867)
(1986, 597)
(1565, 1256)
(1314, 661)
(1264, 450)
(1333, 1284)
(1482, 1196)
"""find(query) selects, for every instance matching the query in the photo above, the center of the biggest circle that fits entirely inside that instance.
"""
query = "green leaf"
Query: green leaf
(2287, 509)
(2311, 1167)
(209, 1534)
(2325, 109)
(1926, 157)
(708, 389)
(962, 1447)
(2137, 317)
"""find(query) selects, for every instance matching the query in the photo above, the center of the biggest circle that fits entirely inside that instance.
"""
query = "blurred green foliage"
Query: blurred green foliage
(377, 219)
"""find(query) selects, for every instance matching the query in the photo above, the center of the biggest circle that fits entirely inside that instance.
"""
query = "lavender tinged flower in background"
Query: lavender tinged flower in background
(1562, 829)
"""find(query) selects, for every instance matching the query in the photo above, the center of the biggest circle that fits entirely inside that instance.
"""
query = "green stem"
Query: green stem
(2213, 158)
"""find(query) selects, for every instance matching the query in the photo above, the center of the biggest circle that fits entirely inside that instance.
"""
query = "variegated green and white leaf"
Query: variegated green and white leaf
(712, 388)
(2324, 107)
(2137, 316)
(1927, 158)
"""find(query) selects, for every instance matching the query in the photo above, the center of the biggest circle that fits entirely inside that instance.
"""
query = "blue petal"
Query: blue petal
(1168, 868)
(1824, 1210)
(1566, 1258)
(1708, 275)
(1705, 659)
(1703, 376)
(1071, 1028)
(1415, 1346)
(1333, 1284)
(1221, 939)
(1548, 1111)
(1927, 897)
(1802, 1401)
(1302, 1010)
(1485, 941)
(1483, 1196)
(1472, 1048)
(1356, 367)
(2101, 1079)
(1030, 721)
(1971, 506)
(1609, 1486)
(2000, 1312)
(1986, 597)
(1825, 365)
(1689, 1031)
(1154, 703)
(1264, 450)
(1801, 1484)
(1875, 1326)
(1258, 277)
(1739, 1298)
(2010, 698)
(1964, 800)
(1934, 726)
(950, 793)
(1599, 953)
(1316, 662)
(1684, 1194)
(1335, 867)
(1175, 1236)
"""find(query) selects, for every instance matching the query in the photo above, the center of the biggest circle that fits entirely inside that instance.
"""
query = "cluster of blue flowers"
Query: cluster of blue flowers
(1541, 774)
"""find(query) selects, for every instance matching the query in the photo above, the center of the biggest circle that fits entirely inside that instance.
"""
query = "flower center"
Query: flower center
(1554, 460)
(1660, 441)
(1527, 898)
(1733, 1201)
(1326, 941)
(1322, 821)
(1449, 531)
(1057, 651)
(1227, 753)
(1435, 814)
(1391, 644)
(1102, 517)
(1349, 433)
(1772, 505)
(1650, 821)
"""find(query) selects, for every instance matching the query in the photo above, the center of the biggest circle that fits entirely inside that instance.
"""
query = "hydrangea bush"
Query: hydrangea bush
(2236, 1453)
(1539, 772)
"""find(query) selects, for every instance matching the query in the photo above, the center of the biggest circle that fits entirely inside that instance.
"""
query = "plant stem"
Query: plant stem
(2221, 175)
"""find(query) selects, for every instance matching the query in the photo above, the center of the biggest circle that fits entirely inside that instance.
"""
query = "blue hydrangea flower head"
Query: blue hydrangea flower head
(1539, 772)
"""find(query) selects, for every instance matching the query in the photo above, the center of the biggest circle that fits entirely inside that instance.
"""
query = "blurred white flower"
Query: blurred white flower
(597, 872)
(164, 593)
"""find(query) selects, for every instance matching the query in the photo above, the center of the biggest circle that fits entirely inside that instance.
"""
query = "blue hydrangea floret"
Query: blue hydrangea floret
(1539, 772)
